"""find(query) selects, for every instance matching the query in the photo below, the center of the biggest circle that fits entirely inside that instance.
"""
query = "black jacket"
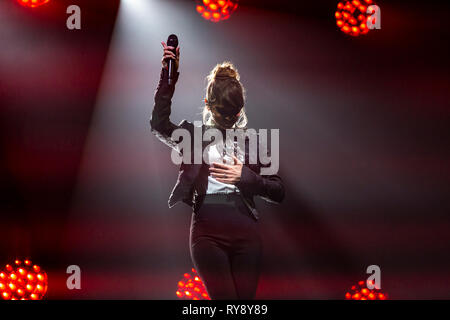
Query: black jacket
(193, 178)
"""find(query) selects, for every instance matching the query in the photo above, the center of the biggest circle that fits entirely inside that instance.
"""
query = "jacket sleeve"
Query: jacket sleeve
(268, 187)
(160, 123)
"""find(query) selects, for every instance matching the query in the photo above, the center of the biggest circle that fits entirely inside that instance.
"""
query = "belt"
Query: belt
(216, 198)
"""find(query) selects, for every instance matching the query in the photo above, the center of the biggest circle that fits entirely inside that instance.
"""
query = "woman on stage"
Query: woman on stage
(224, 239)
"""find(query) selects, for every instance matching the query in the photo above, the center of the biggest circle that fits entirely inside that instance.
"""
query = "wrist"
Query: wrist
(250, 180)
(164, 76)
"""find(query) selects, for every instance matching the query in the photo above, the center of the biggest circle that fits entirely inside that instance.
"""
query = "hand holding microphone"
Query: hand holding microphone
(171, 57)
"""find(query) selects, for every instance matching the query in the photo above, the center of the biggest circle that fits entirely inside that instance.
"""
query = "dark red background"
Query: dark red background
(364, 127)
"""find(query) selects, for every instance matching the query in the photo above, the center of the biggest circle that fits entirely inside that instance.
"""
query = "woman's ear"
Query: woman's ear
(238, 114)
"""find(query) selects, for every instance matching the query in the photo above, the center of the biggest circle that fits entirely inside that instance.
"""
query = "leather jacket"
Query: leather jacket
(193, 178)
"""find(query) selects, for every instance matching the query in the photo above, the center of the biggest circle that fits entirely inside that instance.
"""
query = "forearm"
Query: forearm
(160, 120)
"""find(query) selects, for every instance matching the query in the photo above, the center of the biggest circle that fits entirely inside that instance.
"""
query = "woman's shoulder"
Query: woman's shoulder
(186, 124)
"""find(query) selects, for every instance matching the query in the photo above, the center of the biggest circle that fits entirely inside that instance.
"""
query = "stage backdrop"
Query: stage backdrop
(363, 144)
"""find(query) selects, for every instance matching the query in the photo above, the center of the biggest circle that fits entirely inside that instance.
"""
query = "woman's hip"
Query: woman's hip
(224, 217)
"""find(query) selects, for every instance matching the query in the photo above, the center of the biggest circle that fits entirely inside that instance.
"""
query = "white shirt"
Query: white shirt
(214, 155)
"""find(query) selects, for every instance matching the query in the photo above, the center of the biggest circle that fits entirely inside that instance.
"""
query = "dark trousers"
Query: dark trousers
(226, 247)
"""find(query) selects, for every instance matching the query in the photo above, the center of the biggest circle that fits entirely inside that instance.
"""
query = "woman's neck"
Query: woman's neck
(217, 125)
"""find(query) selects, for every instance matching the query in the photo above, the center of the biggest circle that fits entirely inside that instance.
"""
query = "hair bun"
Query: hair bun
(225, 70)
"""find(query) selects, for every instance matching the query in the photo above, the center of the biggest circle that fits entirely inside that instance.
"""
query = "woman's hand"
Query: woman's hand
(168, 54)
(227, 173)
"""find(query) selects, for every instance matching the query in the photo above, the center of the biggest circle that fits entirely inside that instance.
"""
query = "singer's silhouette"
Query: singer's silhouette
(224, 240)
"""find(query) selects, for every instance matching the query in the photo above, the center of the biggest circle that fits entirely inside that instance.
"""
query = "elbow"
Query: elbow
(156, 129)
(277, 190)
(278, 196)
(155, 126)
(281, 194)
(152, 122)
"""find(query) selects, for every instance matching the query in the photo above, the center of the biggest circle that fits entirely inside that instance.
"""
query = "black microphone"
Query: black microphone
(173, 42)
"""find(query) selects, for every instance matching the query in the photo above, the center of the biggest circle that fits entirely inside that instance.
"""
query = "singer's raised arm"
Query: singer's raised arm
(160, 122)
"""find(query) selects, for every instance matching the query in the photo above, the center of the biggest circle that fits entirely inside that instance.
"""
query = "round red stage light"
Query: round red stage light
(33, 3)
(351, 16)
(191, 287)
(216, 10)
(361, 292)
(22, 282)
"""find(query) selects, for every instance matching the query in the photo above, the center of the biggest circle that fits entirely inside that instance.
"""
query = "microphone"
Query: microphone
(173, 42)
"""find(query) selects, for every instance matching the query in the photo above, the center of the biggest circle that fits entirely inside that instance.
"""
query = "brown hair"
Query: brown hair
(226, 94)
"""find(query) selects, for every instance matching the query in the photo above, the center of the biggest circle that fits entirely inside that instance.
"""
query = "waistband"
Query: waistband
(216, 198)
